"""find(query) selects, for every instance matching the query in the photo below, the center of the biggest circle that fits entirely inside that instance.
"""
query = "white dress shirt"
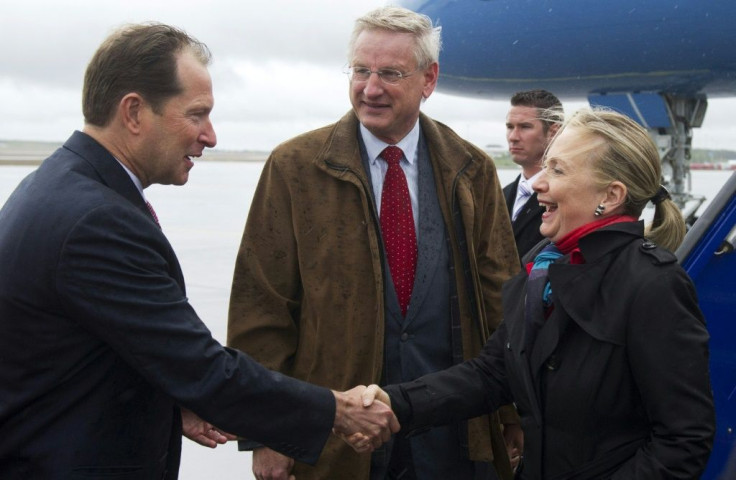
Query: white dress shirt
(409, 164)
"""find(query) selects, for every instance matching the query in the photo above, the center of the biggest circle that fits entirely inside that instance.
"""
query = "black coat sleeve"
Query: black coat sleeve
(475, 387)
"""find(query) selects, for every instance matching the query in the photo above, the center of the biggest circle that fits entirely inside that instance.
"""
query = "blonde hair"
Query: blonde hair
(427, 37)
(627, 154)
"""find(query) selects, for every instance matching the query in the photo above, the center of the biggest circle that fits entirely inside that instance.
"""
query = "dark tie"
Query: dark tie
(153, 213)
(397, 227)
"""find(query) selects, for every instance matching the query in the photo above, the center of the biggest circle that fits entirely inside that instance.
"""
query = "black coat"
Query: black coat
(527, 223)
(99, 345)
(616, 383)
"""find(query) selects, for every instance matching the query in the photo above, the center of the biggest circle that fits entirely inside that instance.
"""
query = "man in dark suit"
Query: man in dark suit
(101, 356)
(532, 121)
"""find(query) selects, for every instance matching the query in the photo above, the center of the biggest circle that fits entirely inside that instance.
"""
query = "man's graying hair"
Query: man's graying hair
(139, 58)
(427, 37)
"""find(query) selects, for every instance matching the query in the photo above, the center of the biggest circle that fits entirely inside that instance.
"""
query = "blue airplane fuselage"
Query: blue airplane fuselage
(493, 48)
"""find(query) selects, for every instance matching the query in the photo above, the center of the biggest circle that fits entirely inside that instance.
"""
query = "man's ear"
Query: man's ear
(552, 131)
(431, 74)
(131, 110)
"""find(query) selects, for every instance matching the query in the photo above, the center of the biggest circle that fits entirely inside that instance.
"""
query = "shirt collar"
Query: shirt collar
(530, 181)
(133, 177)
(409, 144)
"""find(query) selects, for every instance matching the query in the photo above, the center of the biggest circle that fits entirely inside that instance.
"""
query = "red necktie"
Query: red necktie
(153, 213)
(397, 227)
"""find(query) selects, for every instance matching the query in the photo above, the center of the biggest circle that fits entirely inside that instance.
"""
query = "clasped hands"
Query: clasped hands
(367, 440)
(362, 422)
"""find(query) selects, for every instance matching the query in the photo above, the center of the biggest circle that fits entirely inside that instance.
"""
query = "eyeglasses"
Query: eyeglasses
(388, 76)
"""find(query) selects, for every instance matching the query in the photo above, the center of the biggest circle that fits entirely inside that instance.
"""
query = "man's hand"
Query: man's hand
(358, 441)
(374, 392)
(364, 427)
(271, 465)
(197, 430)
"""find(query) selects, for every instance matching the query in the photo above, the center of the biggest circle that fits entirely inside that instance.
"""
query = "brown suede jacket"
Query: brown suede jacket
(307, 297)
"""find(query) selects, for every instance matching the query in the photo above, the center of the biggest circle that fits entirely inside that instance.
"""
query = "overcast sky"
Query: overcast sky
(277, 69)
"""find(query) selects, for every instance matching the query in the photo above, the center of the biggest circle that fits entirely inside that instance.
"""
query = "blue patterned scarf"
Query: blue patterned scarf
(538, 288)
(538, 273)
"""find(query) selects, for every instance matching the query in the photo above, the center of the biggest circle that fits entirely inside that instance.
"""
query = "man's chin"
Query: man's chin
(182, 181)
(374, 123)
(177, 180)
(517, 160)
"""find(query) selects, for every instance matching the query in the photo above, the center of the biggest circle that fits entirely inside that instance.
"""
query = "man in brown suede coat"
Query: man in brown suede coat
(312, 292)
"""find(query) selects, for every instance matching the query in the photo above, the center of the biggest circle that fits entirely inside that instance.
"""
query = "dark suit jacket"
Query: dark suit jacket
(423, 341)
(615, 384)
(99, 345)
(526, 225)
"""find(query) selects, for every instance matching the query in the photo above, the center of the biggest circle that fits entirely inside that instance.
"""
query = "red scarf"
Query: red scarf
(569, 243)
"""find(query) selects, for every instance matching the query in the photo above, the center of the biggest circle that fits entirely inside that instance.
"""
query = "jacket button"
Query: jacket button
(404, 337)
(648, 245)
(553, 363)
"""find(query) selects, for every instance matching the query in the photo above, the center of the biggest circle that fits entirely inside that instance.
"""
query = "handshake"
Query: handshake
(362, 423)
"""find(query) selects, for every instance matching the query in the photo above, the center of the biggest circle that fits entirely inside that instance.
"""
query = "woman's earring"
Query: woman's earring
(599, 210)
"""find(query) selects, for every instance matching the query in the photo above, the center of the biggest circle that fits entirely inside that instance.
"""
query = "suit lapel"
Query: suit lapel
(430, 236)
(111, 174)
(509, 193)
(529, 212)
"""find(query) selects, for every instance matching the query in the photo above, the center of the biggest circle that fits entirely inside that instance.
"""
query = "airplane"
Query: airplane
(658, 61)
